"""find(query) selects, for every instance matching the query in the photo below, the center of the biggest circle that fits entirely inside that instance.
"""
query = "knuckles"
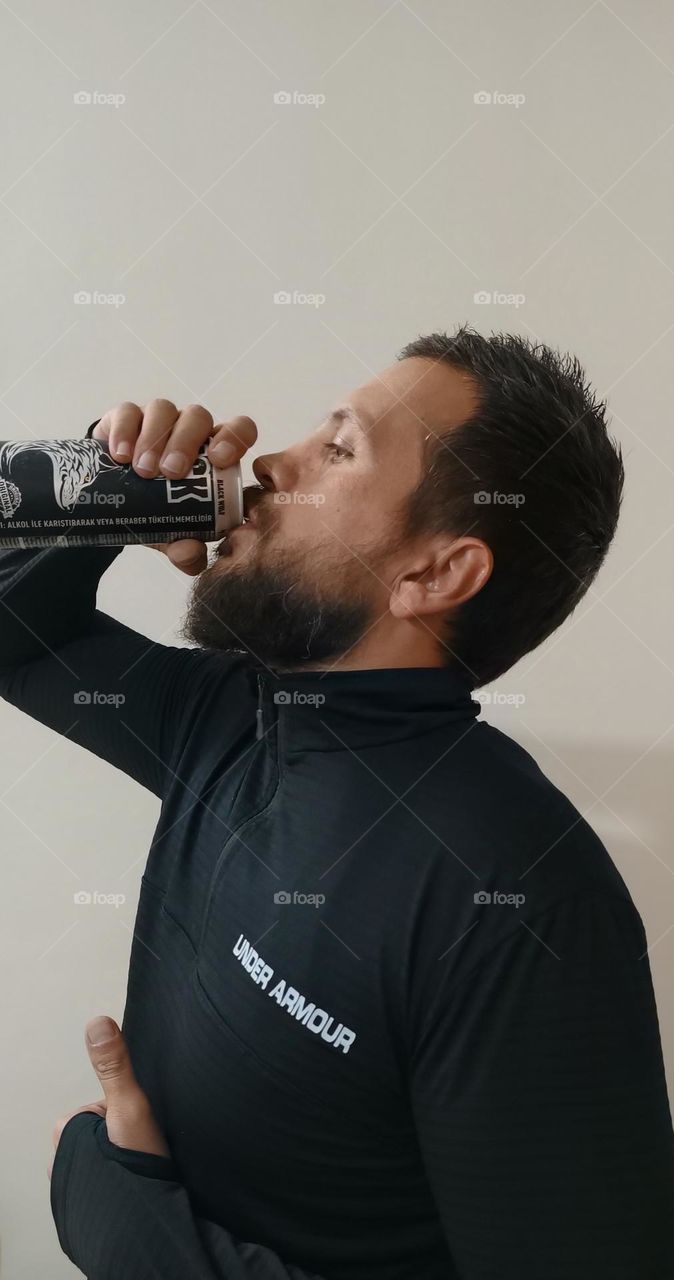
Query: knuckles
(198, 411)
(167, 407)
(128, 406)
(110, 1067)
(63, 1120)
(160, 403)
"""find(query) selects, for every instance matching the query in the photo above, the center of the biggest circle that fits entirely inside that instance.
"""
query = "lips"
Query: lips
(225, 546)
(251, 498)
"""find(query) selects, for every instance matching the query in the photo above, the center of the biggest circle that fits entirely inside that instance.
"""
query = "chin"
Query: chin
(267, 606)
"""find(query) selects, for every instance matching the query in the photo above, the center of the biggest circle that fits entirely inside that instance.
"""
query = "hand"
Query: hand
(163, 440)
(125, 1107)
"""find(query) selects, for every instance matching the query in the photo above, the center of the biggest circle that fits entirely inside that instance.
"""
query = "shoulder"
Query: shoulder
(505, 853)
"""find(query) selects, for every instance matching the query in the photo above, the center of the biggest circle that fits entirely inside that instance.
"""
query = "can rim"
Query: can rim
(232, 483)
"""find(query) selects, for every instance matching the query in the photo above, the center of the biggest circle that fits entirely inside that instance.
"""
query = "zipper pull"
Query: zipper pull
(259, 731)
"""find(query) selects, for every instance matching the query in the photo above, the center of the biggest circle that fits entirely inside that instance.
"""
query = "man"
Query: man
(389, 1010)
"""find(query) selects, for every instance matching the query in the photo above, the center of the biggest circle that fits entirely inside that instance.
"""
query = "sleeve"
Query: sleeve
(541, 1105)
(86, 675)
(123, 1213)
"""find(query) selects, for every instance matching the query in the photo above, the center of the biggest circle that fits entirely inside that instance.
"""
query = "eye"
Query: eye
(337, 450)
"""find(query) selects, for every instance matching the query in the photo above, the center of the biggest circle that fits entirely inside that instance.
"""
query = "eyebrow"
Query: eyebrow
(345, 413)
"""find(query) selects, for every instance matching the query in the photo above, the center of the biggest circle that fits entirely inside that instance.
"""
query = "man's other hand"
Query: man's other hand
(124, 1107)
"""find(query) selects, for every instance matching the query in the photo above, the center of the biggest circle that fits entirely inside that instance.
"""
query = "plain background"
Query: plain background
(398, 198)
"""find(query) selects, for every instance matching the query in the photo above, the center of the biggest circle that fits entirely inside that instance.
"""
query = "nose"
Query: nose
(263, 470)
(272, 471)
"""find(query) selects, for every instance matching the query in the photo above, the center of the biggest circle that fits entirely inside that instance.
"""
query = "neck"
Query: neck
(412, 645)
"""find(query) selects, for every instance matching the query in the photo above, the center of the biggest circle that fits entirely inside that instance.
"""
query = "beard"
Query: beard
(273, 613)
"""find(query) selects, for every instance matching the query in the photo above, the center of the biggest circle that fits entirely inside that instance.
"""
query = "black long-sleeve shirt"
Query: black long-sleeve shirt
(382, 1078)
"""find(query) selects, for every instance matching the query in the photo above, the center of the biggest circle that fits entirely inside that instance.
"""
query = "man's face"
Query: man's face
(313, 569)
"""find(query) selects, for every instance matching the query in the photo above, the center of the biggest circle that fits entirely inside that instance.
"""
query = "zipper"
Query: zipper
(259, 731)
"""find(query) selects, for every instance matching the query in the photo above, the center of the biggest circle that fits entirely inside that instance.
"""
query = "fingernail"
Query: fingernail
(147, 461)
(101, 1030)
(223, 455)
(124, 448)
(174, 462)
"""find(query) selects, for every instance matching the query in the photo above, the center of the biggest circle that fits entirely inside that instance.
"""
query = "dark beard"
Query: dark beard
(268, 613)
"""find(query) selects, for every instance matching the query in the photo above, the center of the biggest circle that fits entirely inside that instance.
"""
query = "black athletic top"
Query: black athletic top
(364, 1068)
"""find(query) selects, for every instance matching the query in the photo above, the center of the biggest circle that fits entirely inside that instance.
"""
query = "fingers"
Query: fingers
(118, 430)
(193, 427)
(187, 554)
(110, 1059)
(129, 1119)
(99, 1107)
(159, 418)
(160, 439)
(231, 439)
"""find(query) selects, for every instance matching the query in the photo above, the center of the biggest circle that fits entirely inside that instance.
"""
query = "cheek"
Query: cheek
(356, 511)
(303, 515)
(347, 510)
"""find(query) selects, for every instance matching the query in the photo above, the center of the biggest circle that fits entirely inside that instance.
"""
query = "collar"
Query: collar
(344, 710)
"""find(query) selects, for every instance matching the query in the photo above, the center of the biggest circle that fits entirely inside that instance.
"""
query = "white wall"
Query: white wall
(398, 198)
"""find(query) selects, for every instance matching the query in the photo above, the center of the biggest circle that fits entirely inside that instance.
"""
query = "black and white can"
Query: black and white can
(72, 493)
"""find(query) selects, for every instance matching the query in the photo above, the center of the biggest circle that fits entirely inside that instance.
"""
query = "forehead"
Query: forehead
(415, 394)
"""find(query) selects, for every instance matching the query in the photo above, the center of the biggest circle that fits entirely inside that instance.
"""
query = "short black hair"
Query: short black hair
(539, 434)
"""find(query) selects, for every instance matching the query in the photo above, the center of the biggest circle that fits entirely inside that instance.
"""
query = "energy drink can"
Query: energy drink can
(72, 493)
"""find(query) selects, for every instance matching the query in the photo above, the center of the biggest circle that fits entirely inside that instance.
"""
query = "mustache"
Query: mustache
(257, 509)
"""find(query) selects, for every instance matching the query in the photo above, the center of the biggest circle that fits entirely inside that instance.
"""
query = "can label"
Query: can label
(71, 492)
(196, 485)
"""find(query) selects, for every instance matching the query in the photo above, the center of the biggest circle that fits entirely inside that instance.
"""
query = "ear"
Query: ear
(451, 574)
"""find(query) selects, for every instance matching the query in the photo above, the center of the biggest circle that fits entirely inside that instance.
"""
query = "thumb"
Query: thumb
(110, 1059)
(187, 554)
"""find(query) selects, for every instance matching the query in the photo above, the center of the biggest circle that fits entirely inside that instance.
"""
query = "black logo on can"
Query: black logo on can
(196, 484)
